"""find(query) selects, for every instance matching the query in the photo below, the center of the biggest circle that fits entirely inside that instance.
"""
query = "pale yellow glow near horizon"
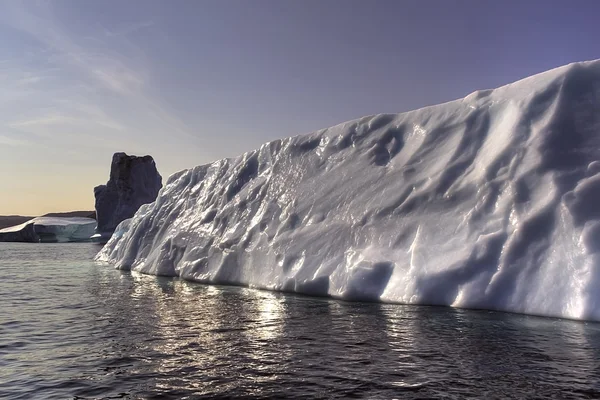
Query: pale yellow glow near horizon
(36, 180)
(32, 184)
(43, 189)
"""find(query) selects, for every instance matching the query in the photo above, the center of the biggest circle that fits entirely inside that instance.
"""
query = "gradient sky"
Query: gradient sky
(190, 82)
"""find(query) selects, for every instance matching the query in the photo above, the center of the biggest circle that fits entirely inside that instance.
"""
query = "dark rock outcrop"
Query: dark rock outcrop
(134, 181)
(6, 221)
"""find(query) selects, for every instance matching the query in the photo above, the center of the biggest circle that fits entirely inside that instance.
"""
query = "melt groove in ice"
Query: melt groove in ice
(491, 201)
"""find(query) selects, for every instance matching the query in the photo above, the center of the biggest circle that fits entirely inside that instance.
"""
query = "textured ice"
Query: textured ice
(491, 201)
(50, 229)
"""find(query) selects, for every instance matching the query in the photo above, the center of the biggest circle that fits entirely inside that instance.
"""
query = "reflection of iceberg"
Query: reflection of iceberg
(491, 201)
(50, 229)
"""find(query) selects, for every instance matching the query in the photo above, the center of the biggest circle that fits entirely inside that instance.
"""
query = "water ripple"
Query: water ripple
(87, 331)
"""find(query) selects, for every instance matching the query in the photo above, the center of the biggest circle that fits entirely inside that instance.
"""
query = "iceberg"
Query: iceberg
(489, 202)
(133, 181)
(50, 230)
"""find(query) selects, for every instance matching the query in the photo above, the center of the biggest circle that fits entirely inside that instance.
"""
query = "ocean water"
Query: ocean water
(74, 329)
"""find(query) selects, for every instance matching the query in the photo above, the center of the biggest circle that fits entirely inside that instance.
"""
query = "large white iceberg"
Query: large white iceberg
(491, 201)
(50, 229)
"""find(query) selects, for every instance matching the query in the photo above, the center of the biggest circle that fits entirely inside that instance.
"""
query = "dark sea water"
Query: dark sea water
(73, 329)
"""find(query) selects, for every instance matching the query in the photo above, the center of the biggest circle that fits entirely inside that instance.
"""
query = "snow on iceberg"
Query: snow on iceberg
(50, 229)
(491, 201)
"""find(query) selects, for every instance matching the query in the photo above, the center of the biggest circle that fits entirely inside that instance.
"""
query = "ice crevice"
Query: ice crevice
(491, 201)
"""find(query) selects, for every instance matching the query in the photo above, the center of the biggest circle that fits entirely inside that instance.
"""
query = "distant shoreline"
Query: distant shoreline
(6, 221)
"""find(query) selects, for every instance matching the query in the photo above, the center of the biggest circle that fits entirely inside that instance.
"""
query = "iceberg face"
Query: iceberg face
(50, 230)
(491, 201)
(133, 181)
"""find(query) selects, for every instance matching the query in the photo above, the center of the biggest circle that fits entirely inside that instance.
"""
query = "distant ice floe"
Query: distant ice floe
(50, 230)
(491, 201)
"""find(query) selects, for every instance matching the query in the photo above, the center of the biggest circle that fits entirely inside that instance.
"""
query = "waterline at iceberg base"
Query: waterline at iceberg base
(491, 201)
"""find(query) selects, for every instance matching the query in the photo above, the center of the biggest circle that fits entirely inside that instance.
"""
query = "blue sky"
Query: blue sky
(192, 81)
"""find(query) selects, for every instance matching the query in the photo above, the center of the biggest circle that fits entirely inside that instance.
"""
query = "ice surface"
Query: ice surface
(50, 229)
(133, 181)
(491, 201)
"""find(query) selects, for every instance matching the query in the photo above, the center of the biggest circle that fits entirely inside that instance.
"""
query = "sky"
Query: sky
(192, 81)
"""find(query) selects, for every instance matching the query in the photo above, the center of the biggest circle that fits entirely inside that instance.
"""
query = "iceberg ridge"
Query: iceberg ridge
(491, 201)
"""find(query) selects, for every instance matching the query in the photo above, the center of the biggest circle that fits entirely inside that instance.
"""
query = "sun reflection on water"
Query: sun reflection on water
(270, 313)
